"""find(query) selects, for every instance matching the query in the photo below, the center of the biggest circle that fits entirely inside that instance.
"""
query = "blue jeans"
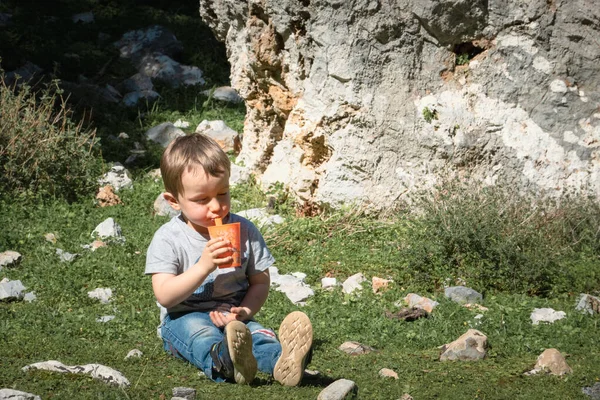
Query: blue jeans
(190, 336)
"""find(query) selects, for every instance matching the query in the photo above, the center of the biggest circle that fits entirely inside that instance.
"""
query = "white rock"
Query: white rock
(29, 297)
(164, 133)
(226, 137)
(261, 217)
(224, 93)
(340, 389)
(163, 208)
(353, 283)
(388, 373)
(118, 177)
(102, 294)
(181, 124)
(9, 257)
(11, 289)
(470, 346)
(328, 282)
(10, 394)
(108, 229)
(105, 318)
(135, 353)
(66, 256)
(96, 371)
(546, 315)
(588, 303)
(238, 175)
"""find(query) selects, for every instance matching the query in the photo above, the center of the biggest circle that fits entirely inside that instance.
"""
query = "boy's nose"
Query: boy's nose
(214, 206)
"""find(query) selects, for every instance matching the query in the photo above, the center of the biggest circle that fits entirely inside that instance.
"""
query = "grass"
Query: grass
(60, 324)
(521, 256)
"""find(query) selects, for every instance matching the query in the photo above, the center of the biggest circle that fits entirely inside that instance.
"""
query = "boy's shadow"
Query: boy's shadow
(310, 378)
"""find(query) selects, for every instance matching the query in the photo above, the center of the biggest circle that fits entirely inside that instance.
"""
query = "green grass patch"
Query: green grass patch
(61, 323)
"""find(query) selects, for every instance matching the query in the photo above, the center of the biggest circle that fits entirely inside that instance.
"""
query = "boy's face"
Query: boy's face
(203, 199)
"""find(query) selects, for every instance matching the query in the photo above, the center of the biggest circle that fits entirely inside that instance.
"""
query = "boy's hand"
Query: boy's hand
(212, 256)
(236, 314)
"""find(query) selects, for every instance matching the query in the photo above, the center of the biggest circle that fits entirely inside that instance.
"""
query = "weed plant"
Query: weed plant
(43, 152)
(496, 241)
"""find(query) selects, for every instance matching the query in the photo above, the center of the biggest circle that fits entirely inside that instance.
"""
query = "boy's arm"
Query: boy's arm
(171, 289)
(254, 299)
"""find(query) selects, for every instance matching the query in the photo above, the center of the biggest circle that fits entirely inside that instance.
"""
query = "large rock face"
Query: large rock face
(364, 101)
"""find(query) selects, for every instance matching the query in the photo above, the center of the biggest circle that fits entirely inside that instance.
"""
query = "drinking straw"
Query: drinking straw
(218, 221)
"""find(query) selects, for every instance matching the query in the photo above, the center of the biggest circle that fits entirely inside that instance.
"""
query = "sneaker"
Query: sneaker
(232, 357)
(295, 335)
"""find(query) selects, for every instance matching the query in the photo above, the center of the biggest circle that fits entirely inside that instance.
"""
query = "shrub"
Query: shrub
(495, 241)
(42, 151)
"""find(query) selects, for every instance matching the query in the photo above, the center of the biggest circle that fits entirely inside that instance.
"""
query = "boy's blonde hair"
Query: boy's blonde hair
(186, 153)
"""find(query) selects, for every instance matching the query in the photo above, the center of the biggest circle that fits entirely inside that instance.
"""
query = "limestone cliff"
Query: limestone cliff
(370, 101)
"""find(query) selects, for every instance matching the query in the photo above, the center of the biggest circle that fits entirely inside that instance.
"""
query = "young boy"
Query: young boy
(209, 310)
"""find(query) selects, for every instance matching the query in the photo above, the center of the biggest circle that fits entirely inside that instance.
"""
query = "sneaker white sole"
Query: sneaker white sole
(239, 343)
(295, 335)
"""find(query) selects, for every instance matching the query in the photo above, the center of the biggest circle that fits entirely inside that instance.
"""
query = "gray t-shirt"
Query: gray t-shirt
(176, 247)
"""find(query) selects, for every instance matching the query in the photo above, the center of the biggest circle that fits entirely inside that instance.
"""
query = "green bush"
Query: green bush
(496, 241)
(42, 152)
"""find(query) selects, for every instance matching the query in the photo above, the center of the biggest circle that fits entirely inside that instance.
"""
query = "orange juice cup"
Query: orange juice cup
(230, 232)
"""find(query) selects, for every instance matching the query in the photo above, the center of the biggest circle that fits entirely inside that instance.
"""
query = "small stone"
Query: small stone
(261, 217)
(11, 290)
(589, 304)
(463, 295)
(29, 297)
(355, 348)
(224, 93)
(108, 229)
(468, 347)
(476, 306)
(184, 393)
(414, 300)
(328, 283)
(9, 258)
(552, 362)
(106, 197)
(592, 391)
(164, 133)
(102, 294)
(379, 284)
(163, 208)
(135, 353)
(408, 314)
(388, 373)
(105, 318)
(50, 237)
(227, 138)
(546, 315)
(117, 177)
(406, 396)
(10, 394)
(353, 283)
(181, 124)
(65, 256)
(338, 390)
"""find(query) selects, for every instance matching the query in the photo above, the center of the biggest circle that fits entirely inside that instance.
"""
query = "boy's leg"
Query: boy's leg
(295, 335)
(190, 336)
(265, 346)
(234, 355)
(220, 355)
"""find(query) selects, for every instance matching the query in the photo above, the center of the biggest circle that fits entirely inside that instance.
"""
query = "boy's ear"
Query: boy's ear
(172, 200)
